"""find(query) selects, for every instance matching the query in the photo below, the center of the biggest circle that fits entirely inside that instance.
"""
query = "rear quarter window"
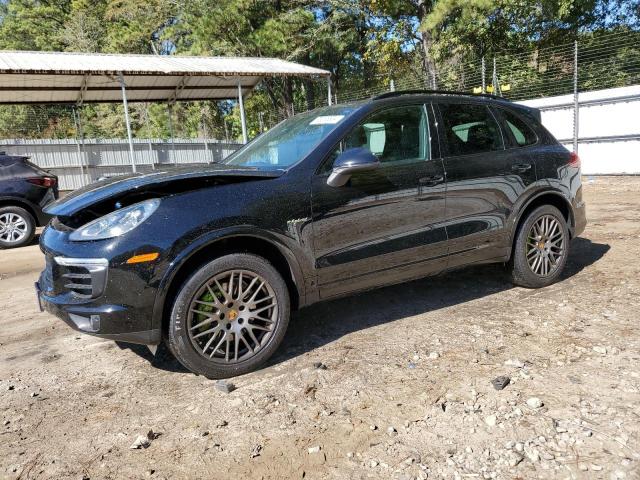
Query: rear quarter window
(521, 133)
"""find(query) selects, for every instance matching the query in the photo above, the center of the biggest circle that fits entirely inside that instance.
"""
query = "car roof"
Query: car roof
(10, 159)
(403, 96)
(440, 94)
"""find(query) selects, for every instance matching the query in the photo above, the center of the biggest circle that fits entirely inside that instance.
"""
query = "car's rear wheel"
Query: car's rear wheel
(17, 227)
(229, 317)
(541, 248)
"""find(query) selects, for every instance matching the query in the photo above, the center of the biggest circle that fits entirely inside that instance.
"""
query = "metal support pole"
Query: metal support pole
(243, 120)
(576, 105)
(146, 124)
(484, 80)
(128, 122)
(392, 85)
(329, 97)
(79, 143)
(173, 144)
(205, 134)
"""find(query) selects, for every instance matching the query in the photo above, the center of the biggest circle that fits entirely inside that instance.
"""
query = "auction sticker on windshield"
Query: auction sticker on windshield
(326, 120)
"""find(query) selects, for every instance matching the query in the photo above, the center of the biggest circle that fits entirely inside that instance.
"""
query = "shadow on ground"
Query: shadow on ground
(325, 322)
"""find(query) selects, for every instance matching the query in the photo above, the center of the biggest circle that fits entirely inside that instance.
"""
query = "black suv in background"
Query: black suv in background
(330, 202)
(24, 190)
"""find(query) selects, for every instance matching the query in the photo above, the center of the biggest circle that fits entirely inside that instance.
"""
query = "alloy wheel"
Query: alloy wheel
(232, 316)
(545, 245)
(13, 227)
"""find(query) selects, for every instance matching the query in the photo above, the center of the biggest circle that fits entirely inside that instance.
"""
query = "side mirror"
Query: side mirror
(351, 161)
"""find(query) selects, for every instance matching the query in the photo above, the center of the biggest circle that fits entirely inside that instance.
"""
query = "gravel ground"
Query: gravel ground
(403, 390)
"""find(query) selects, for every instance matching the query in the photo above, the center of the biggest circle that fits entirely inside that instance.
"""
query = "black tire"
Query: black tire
(29, 231)
(184, 347)
(522, 273)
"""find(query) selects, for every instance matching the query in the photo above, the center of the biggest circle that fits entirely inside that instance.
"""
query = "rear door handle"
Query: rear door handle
(431, 180)
(521, 167)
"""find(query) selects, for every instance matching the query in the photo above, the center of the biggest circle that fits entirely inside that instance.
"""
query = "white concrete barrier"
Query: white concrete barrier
(609, 127)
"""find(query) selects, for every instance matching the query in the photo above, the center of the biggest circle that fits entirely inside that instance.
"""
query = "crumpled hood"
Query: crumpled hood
(114, 187)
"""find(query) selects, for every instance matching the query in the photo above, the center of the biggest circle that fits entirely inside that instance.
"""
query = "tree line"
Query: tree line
(364, 43)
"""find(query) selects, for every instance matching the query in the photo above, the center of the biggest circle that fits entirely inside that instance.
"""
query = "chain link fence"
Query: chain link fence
(200, 132)
(604, 61)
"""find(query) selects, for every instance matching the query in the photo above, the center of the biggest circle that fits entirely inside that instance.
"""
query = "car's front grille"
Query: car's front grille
(83, 277)
(79, 281)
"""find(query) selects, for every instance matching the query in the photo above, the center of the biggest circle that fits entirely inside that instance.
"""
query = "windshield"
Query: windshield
(290, 141)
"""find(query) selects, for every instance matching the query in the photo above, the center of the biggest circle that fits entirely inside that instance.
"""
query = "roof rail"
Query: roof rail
(443, 92)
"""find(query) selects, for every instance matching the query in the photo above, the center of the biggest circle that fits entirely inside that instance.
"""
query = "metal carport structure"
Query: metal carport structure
(77, 78)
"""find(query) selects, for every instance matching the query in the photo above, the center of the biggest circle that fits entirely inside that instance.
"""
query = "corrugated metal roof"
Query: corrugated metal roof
(57, 77)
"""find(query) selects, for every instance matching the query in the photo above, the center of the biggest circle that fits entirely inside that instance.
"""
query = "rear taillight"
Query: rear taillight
(574, 160)
(46, 182)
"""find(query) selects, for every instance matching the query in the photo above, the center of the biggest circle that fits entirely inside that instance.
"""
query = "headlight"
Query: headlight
(116, 223)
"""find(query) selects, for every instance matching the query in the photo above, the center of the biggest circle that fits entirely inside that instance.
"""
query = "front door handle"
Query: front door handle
(521, 167)
(431, 180)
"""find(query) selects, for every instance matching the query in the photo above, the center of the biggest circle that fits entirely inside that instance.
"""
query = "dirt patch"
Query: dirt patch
(406, 392)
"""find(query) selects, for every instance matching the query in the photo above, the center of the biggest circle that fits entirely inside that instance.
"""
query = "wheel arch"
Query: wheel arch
(282, 259)
(553, 198)
(17, 202)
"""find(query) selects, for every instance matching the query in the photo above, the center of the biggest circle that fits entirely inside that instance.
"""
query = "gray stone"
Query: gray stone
(499, 383)
(142, 441)
(225, 386)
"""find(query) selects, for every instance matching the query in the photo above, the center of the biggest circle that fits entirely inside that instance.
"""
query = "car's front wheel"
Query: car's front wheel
(229, 317)
(17, 227)
(540, 249)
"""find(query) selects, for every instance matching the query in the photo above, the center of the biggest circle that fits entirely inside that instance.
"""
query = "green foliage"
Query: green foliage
(364, 43)
(33, 24)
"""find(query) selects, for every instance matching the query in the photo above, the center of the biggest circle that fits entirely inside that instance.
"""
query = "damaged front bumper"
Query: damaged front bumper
(95, 320)
(96, 295)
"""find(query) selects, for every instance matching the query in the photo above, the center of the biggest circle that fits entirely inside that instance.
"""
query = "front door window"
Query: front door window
(394, 135)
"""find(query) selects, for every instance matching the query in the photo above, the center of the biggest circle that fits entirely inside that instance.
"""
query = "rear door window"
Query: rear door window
(470, 129)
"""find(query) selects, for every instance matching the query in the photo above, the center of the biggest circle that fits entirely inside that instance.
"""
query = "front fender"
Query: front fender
(208, 240)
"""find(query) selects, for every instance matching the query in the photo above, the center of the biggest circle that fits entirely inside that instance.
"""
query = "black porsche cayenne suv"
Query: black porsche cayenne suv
(24, 190)
(333, 201)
